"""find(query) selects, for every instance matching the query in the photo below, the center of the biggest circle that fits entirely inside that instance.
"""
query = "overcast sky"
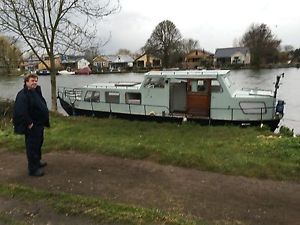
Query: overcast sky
(214, 23)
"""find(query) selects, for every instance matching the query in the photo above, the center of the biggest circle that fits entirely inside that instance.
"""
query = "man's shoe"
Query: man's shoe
(42, 164)
(37, 173)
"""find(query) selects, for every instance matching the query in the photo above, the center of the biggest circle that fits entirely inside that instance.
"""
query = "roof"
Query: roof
(150, 55)
(70, 58)
(203, 51)
(118, 58)
(228, 52)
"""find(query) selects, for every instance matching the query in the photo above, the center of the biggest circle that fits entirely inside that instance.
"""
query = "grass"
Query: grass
(251, 152)
(93, 208)
(7, 220)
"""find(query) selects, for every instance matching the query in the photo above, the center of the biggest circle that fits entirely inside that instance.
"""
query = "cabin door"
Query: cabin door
(198, 97)
(178, 97)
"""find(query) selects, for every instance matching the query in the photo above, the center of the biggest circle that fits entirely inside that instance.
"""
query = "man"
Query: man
(31, 115)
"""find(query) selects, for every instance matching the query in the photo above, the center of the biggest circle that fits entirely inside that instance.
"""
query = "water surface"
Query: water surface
(289, 89)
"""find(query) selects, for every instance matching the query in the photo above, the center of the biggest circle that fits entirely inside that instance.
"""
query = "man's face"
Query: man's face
(31, 83)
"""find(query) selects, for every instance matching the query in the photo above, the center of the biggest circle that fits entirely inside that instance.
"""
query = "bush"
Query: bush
(6, 108)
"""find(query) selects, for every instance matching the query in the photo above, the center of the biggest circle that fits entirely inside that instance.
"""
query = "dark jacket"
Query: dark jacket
(30, 107)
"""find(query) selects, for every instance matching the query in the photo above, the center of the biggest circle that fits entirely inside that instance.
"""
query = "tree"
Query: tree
(288, 48)
(189, 44)
(50, 27)
(91, 53)
(10, 55)
(124, 51)
(296, 55)
(165, 43)
(263, 45)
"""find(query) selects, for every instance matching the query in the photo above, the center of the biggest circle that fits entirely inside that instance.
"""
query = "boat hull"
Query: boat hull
(72, 111)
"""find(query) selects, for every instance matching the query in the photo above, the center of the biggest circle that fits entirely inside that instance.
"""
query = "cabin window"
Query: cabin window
(92, 96)
(227, 81)
(96, 96)
(88, 96)
(133, 98)
(216, 86)
(253, 107)
(199, 85)
(155, 82)
(112, 97)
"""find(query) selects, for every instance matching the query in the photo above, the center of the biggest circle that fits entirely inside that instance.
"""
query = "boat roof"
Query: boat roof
(118, 85)
(188, 74)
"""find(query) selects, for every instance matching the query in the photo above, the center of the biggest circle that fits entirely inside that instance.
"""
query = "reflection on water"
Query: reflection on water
(263, 79)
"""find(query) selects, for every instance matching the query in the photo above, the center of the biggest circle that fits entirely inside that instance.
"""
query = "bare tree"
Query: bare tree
(288, 48)
(124, 51)
(165, 42)
(263, 45)
(50, 27)
(189, 45)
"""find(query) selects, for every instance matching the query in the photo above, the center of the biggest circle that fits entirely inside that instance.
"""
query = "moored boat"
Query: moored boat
(206, 96)
(43, 72)
(83, 71)
(66, 72)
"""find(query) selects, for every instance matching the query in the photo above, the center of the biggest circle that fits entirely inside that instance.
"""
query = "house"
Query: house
(232, 56)
(73, 62)
(198, 58)
(100, 64)
(147, 61)
(57, 61)
(82, 63)
(31, 63)
(119, 62)
(113, 63)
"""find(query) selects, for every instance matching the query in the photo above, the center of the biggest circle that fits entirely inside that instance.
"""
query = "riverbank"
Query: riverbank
(111, 171)
(251, 152)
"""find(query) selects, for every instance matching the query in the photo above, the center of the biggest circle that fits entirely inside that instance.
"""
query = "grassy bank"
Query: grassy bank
(98, 210)
(251, 152)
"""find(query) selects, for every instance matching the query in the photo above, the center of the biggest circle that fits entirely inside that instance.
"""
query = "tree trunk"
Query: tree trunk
(53, 84)
(53, 91)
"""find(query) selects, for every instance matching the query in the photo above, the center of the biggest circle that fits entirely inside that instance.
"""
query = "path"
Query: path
(206, 195)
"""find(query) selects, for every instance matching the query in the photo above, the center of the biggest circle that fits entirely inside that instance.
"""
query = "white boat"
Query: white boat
(66, 72)
(207, 96)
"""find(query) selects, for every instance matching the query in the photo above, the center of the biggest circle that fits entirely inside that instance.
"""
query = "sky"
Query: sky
(214, 23)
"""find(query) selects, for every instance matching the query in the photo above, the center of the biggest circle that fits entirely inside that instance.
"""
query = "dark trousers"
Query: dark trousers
(34, 139)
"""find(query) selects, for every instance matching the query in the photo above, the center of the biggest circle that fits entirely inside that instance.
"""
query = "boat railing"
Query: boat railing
(258, 111)
(72, 95)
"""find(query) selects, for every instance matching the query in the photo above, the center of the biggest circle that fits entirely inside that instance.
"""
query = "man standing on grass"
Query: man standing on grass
(31, 115)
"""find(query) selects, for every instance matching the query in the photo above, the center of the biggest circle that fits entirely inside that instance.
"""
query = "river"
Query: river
(289, 90)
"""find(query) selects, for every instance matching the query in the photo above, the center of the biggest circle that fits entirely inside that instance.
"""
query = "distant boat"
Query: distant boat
(84, 71)
(208, 97)
(65, 72)
(43, 72)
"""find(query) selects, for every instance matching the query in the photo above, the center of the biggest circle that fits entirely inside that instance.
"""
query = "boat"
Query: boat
(43, 72)
(204, 96)
(66, 72)
(83, 71)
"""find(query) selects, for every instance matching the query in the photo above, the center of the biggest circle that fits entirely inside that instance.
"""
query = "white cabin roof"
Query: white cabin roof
(192, 74)
(118, 85)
